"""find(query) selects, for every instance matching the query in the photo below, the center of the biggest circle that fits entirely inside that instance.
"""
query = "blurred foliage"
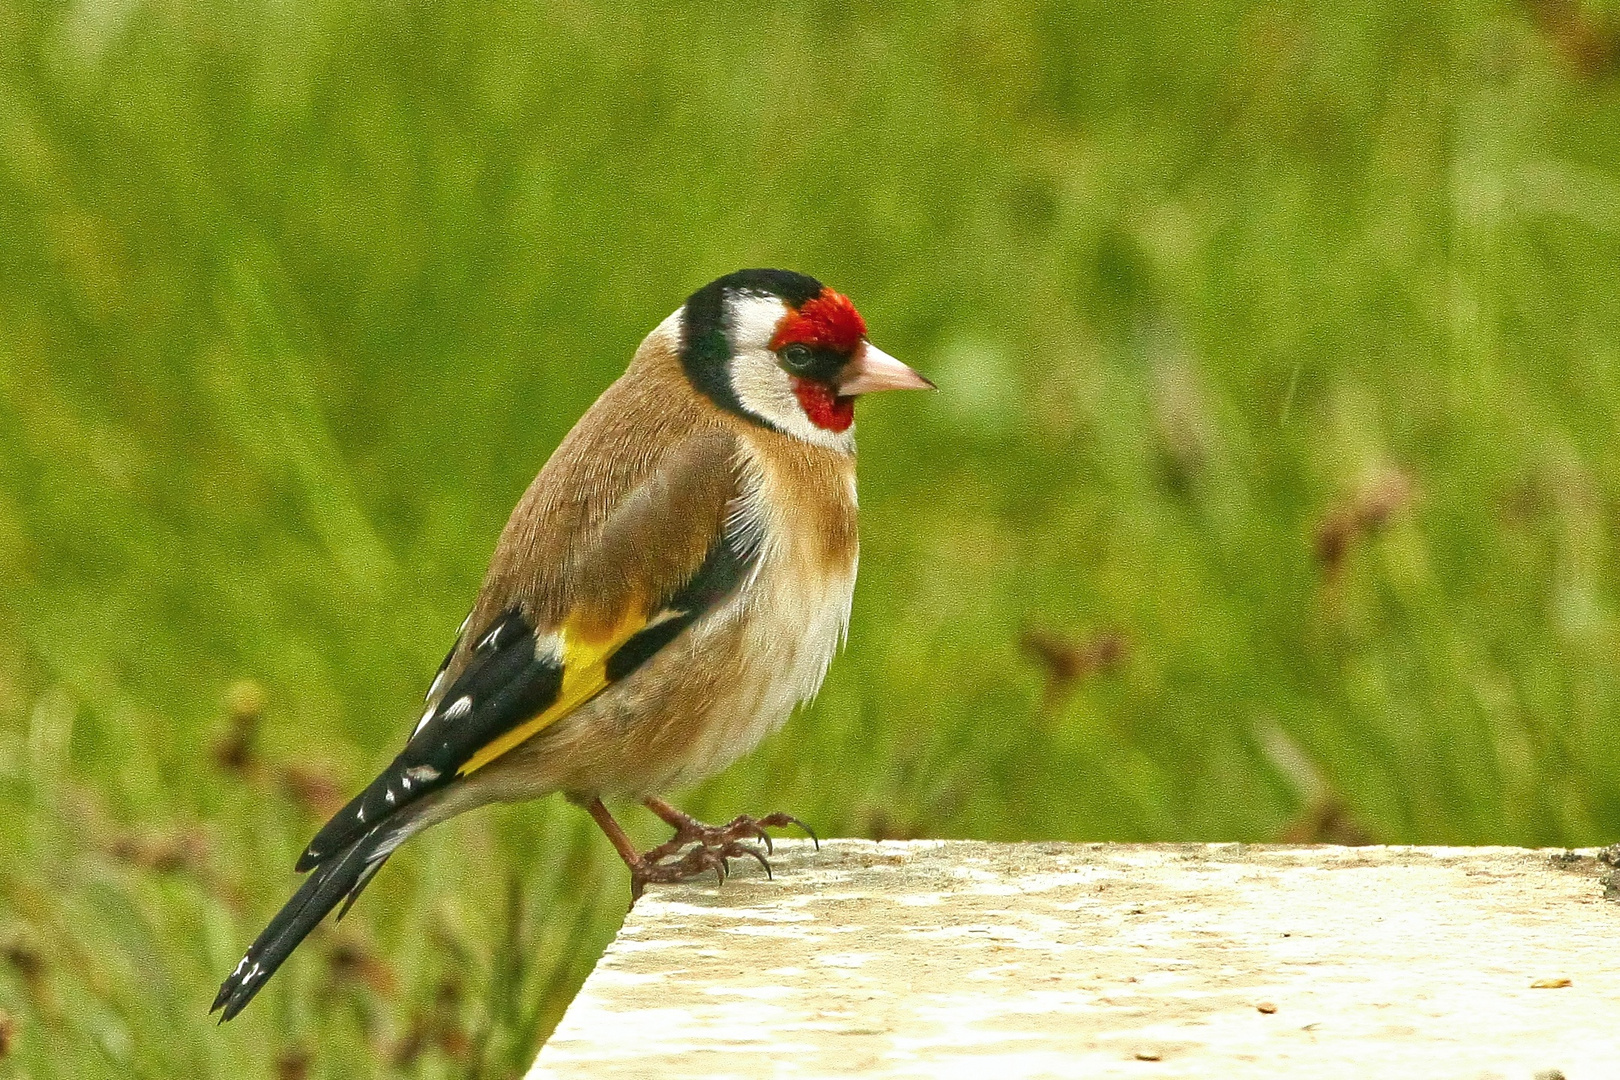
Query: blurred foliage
(1270, 490)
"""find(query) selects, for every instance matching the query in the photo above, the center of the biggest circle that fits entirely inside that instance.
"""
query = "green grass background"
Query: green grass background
(1278, 340)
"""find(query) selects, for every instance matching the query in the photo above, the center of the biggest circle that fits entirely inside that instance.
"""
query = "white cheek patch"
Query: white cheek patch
(758, 380)
(753, 319)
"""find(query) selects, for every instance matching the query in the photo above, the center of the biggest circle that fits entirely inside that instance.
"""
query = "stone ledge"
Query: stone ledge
(966, 959)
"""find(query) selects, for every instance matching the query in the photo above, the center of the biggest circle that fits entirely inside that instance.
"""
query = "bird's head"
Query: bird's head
(786, 351)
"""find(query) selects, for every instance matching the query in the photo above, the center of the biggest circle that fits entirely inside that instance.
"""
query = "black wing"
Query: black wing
(505, 682)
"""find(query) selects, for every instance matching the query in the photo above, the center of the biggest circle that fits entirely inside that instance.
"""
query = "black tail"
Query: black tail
(339, 877)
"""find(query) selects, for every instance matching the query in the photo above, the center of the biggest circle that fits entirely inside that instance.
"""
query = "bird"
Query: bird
(672, 585)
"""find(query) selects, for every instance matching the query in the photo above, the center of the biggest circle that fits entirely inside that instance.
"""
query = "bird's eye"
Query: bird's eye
(797, 356)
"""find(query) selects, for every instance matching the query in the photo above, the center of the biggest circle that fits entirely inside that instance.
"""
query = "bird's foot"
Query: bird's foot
(689, 830)
(713, 846)
(648, 869)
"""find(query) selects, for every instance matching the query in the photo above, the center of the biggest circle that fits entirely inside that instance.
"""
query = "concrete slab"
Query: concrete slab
(980, 961)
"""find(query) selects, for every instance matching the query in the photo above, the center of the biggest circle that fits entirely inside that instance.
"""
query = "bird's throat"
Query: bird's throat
(822, 404)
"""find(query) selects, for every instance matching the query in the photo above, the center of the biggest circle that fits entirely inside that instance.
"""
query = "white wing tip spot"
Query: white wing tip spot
(459, 708)
(424, 773)
(549, 648)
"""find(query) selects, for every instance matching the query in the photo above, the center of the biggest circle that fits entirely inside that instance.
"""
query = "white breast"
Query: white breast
(793, 616)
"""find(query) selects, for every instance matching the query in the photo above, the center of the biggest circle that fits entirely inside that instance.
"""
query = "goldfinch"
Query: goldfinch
(673, 583)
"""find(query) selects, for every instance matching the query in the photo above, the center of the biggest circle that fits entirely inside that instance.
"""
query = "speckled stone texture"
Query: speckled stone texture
(989, 961)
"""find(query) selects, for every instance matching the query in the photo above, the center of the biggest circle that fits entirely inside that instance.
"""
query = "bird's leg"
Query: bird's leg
(615, 833)
(645, 869)
(689, 829)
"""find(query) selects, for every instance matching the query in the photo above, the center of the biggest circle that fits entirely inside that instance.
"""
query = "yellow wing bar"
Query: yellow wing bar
(585, 657)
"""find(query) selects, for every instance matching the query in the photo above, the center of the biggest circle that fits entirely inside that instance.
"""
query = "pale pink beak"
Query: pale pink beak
(873, 369)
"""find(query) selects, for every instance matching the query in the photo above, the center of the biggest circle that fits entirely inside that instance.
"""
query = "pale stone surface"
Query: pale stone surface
(984, 961)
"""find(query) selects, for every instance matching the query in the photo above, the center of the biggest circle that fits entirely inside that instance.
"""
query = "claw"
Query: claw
(780, 820)
(763, 862)
(808, 831)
